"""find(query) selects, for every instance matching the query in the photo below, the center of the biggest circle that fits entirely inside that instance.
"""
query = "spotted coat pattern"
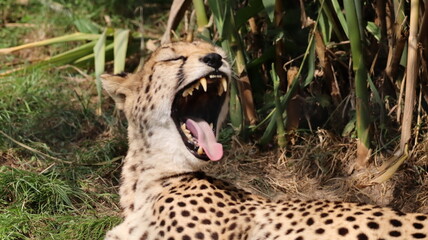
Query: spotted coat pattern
(165, 196)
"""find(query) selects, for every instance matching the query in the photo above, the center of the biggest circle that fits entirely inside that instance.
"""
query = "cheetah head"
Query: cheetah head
(181, 93)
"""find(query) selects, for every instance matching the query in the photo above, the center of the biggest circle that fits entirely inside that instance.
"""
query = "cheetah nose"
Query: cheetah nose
(213, 60)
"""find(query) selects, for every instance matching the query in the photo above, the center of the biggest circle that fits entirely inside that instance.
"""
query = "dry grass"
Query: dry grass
(320, 166)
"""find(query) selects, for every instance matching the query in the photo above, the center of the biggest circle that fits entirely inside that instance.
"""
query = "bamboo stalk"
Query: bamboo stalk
(411, 73)
(361, 91)
(396, 43)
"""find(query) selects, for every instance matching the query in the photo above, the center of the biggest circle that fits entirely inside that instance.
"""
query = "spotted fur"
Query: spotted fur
(165, 196)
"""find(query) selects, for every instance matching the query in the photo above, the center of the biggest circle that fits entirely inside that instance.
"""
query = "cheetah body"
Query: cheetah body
(165, 196)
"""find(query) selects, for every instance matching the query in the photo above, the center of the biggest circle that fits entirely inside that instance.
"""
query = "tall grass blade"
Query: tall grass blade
(99, 51)
(325, 28)
(311, 65)
(66, 38)
(338, 12)
(121, 37)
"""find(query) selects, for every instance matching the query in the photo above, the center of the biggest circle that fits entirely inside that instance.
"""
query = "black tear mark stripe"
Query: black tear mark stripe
(180, 73)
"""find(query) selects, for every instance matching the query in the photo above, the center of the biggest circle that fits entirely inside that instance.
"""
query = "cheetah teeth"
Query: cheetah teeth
(222, 87)
(186, 131)
(189, 136)
(203, 82)
(201, 151)
(224, 84)
(215, 76)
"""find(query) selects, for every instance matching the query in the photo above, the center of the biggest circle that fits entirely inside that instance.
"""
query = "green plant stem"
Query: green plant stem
(361, 90)
(280, 129)
(201, 18)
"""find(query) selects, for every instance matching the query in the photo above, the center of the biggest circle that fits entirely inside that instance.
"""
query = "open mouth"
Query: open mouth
(195, 111)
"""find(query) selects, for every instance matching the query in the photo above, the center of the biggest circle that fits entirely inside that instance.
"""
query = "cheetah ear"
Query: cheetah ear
(118, 87)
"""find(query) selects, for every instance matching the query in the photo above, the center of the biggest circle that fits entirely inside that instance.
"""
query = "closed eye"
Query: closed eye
(175, 59)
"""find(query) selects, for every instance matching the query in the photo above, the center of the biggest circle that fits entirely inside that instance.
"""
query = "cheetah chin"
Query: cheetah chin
(175, 107)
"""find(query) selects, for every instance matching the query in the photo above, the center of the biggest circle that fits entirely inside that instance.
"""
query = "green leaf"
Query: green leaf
(325, 27)
(311, 65)
(108, 48)
(340, 16)
(86, 26)
(374, 30)
(71, 55)
(376, 95)
(269, 8)
(349, 128)
(222, 15)
(121, 37)
(247, 12)
(268, 54)
(403, 59)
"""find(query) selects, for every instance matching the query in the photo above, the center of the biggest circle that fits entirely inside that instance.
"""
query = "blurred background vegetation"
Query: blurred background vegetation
(350, 71)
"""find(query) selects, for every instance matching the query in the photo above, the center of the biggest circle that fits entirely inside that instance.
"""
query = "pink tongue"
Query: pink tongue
(206, 139)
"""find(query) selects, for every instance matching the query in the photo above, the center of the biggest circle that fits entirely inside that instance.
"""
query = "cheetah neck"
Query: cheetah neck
(161, 150)
(152, 155)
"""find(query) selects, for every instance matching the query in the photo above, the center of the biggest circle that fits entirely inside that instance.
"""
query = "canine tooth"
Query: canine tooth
(200, 151)
(224, 83)
(203, 82)
(212, 125)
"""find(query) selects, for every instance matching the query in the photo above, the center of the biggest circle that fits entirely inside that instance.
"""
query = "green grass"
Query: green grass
(37, 193)
(59, 160)
(15, 224)
(43, 198)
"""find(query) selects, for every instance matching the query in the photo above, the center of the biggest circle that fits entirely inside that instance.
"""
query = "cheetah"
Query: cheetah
(175, 107)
